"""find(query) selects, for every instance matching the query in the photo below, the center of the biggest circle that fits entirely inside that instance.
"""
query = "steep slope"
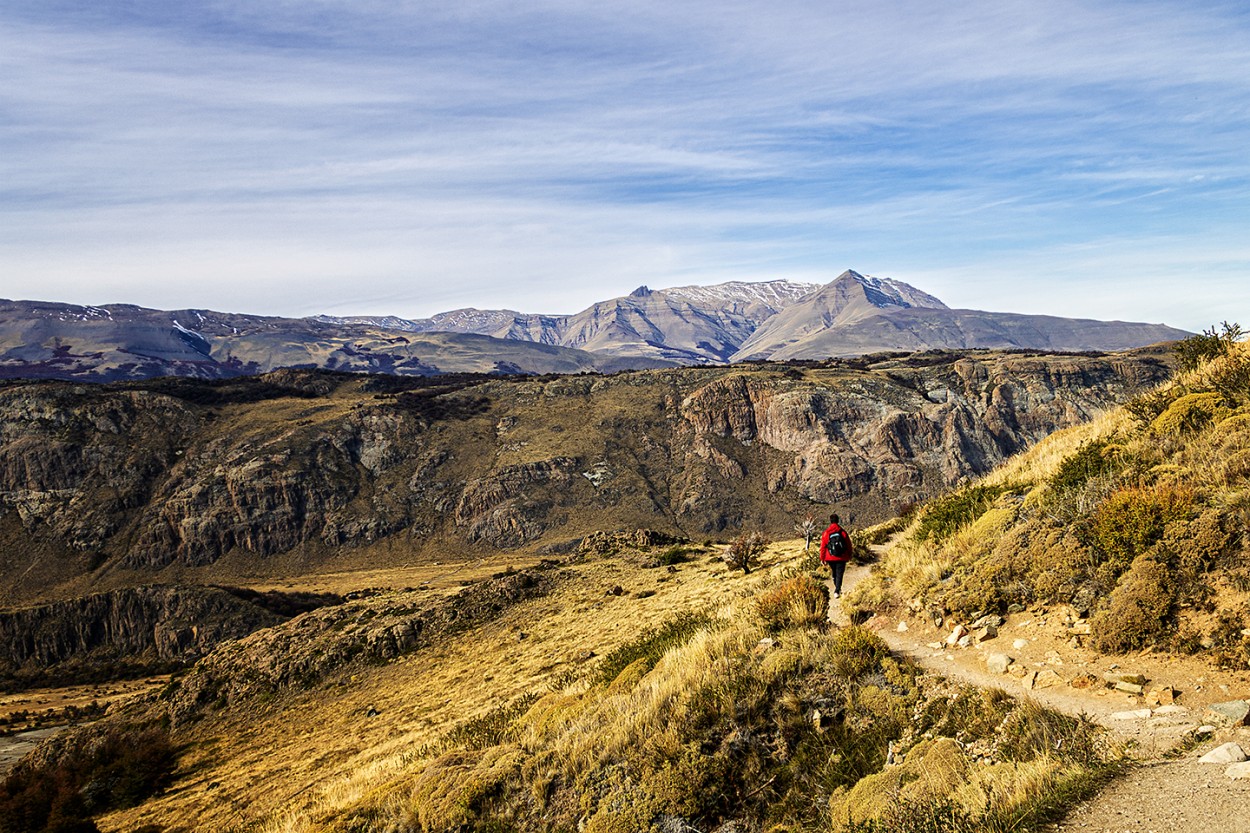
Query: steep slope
(141, 629)
(855, 315)
(116, 485)
(1135, 524)
(536, 701)
(689, 324)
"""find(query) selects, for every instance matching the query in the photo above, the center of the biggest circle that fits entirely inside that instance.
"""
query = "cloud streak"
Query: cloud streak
(277, 157)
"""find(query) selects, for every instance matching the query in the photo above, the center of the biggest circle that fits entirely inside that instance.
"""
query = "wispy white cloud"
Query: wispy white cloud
(279, 156)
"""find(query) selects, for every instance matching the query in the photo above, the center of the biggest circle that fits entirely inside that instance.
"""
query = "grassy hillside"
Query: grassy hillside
(613, 694)
(1138, 521)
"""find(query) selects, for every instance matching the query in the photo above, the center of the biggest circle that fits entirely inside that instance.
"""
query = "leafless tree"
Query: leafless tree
(744, 552)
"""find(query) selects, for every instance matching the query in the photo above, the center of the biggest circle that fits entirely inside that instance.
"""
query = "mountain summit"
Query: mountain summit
(857, 314)
(849, 298)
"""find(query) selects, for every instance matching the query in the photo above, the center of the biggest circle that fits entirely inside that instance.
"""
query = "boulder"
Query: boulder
(984, 633)
(957, 634)
(1229, 753)
(1232, 713)
(1238, 772)
(1020, 644)
(1135, 714)
(1163, 696)
(998, 663)
(1130, 688)
(1084, 681)
(1048, 679)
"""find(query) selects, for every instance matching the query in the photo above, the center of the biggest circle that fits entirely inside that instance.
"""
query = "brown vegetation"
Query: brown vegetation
(1138, 521)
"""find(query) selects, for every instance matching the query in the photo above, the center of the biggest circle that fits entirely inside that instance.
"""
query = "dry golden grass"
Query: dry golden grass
(290, 764)
(1040, 462)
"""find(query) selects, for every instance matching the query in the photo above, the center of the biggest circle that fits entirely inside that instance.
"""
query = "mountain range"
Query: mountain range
(691, 325)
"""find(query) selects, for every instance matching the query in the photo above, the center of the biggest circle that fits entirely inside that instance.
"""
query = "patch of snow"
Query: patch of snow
(191, 333)
(777, 294)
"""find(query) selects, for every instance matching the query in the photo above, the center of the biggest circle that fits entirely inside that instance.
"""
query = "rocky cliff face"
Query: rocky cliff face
(143, 626)
(115, 486)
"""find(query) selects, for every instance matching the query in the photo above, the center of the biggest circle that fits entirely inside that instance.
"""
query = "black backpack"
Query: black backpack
(837, 544)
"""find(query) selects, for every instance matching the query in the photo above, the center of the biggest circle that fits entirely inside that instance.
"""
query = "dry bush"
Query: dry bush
(1132, 521)
(855, 650)
(1137, 610)
(801, 601)
(745, 550)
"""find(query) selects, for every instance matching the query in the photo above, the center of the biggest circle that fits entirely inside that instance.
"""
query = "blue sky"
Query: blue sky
(293, 158)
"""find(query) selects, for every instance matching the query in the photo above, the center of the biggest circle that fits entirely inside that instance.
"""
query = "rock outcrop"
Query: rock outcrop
(141, 626)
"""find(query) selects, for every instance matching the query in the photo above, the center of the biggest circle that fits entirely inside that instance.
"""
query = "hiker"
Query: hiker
(835, 550)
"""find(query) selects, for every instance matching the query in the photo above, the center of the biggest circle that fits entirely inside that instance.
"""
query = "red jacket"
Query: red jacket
(825, 555)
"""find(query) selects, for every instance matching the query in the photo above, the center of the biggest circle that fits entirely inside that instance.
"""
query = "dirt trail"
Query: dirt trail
(1159, 794)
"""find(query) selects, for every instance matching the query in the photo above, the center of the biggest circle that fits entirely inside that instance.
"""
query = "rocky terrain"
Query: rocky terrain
(692, 325)
(261, 481)
(119, 341)
(855, 315)
(178, 480)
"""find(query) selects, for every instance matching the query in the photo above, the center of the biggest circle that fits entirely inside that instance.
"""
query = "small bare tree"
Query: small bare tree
(744, 552)
(806, 528)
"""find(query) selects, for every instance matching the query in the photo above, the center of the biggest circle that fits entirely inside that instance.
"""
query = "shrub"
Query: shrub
(1132, 520)
(744, 552)
(1032, 731)
(490, 729)
(1207, 345)
(1147, 407)
(1192, 412)
(855, 651)
(1230, 377)
(120, 770)
(901, 815)
(798, 602)
(945, 515)
(675, 555)
(652, 644)
(1087, 462)
(1137, 610)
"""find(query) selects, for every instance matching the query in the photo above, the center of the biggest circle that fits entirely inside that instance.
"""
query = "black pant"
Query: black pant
(837, 569)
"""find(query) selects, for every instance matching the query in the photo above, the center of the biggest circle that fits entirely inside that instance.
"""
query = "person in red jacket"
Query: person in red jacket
(835, 550)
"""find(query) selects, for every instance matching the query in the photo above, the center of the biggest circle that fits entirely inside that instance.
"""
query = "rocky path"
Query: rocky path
(1161, 793)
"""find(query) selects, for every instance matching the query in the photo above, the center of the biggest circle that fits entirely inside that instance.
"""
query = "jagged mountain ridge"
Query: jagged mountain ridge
(689, 325)
(679, 325)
